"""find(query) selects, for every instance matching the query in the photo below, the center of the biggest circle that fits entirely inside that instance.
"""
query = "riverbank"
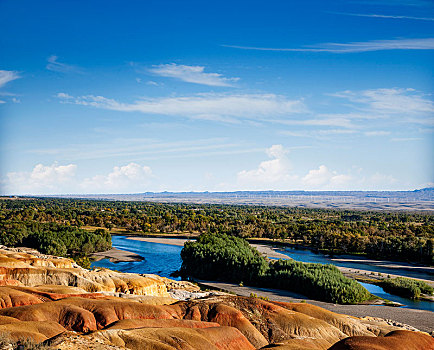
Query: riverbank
(419, 319)
(117, 255)
(171, 241)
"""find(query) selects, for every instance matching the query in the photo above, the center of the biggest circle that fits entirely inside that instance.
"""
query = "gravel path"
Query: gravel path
(420, 319)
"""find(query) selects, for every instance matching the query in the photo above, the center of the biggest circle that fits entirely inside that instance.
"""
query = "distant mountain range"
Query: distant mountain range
(422, 199)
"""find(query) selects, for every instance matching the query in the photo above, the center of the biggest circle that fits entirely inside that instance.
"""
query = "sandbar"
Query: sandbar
(117, 255)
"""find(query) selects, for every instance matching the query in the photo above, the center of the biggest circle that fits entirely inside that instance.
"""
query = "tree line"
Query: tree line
(386, 235)
(53, 238)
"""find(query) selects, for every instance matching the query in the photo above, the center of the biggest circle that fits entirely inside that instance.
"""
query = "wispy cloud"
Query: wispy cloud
(323, 121)
(375, 45)
(373, 15)
(405, 139)
(142, 148)
(218, 107)
(8, 75)
(56, 66)
(377, 133)
(192, 74)
(420, 3)
(322, 134)
(390, 101)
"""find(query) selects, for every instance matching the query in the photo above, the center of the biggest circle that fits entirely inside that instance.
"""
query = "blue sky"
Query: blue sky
(135, 96)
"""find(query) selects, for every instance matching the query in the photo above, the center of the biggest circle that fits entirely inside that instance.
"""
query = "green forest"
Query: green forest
(386, 235)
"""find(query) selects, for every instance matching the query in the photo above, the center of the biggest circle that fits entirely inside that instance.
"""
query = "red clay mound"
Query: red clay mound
(84, 315)
(217, 311)
(396, 340)
(11, 297)
(9, 282)
(277, 323)
(299, 344)
(216, 338)
(134, 323)
(37, 331)
(261, 322)
(351, 326)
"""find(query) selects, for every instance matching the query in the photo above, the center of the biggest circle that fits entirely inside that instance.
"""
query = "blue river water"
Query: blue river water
(164, 259)
(351, 261)
(159, 259)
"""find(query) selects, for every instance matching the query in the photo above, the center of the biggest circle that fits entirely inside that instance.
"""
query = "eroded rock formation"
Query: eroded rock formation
(53, 300)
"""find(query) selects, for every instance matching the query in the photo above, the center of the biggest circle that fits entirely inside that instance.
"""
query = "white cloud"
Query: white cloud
(64, 96)
(377, 133)
(381, 180)
(130, 178)
(192, 74)
(405, 139)
(203, 106)
(61, 179)
(375, 45)
(43, 179)
(270, 174)
(323, 177)
(385, 16)
(277, 174)
(391, 101)
(323, 121)
(318, 134)
(56, 66)
(335, 132)
(421, 3)
(6, 76)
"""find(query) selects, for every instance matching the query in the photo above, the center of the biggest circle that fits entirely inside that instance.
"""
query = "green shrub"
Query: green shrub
(318, 281)
(84, 262)
(406, 287)
(222, 257)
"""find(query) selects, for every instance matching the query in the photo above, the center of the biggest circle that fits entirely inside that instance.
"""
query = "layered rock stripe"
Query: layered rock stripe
(52, 299)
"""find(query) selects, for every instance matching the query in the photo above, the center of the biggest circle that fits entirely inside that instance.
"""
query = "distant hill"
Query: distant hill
(421, 199)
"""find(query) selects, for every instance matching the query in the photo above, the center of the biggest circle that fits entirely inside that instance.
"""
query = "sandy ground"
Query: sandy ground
(170, 241)
(117, 255)
(420, 319)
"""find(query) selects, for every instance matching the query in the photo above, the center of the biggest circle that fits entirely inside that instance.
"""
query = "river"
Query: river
(163, 259)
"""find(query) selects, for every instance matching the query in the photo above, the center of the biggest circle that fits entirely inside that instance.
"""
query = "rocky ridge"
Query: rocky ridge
(53, 300)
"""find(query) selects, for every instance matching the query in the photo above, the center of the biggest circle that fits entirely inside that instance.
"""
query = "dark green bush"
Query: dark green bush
(53, 238)
(406, 287)
(318, 281)
(223, 257)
